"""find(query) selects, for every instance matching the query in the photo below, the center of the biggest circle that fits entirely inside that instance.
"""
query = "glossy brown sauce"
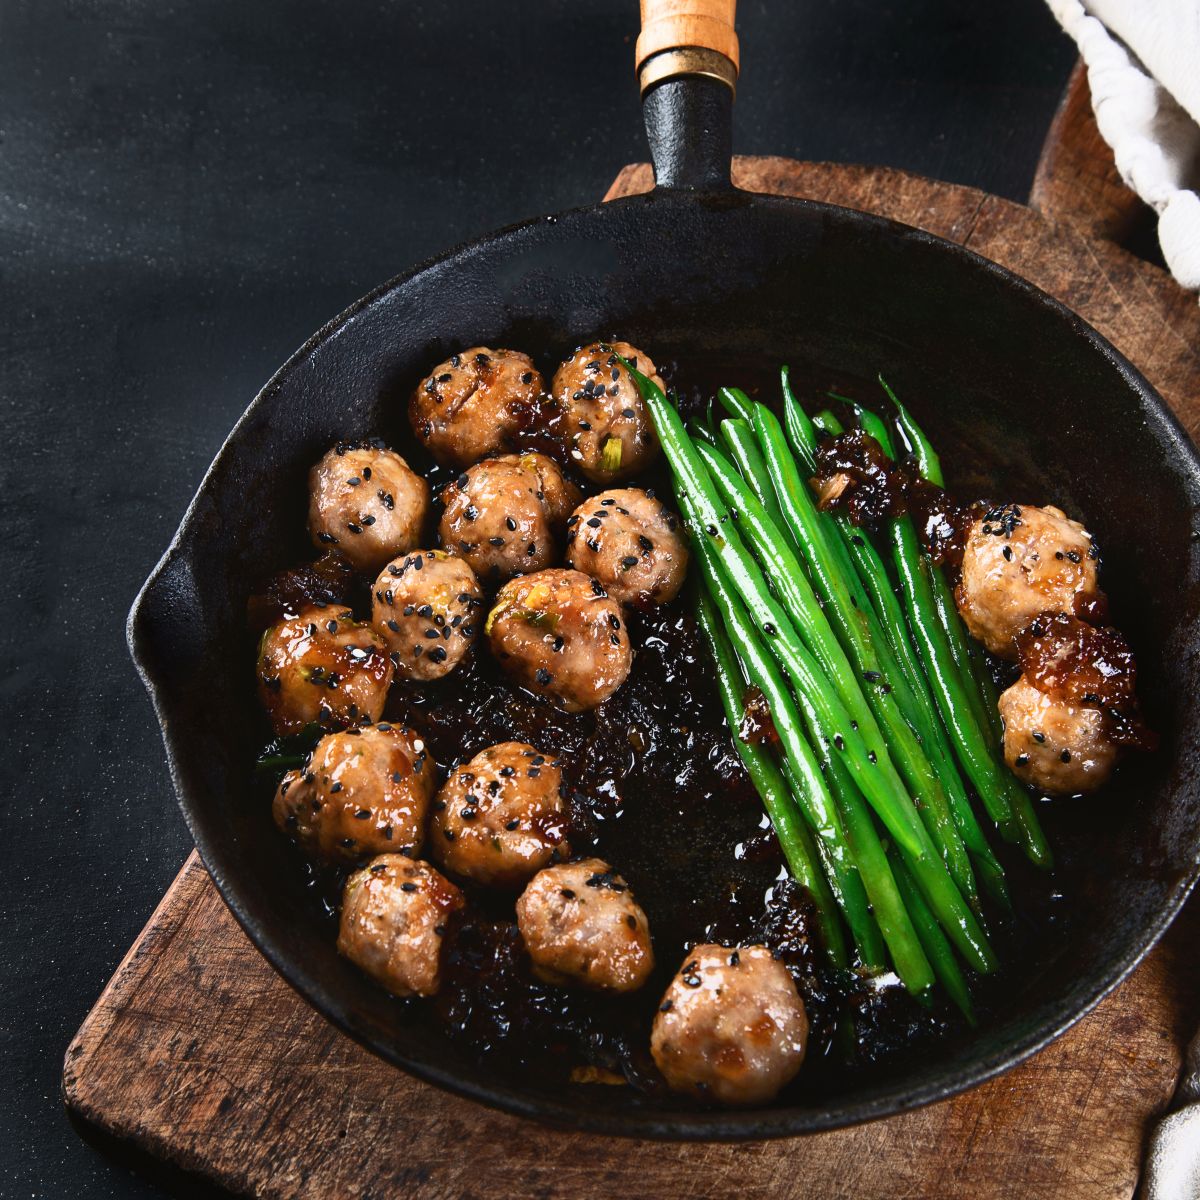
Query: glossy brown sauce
(856, 476)
(1086, 666)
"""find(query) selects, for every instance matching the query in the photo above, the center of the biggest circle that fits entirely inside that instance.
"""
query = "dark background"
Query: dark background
(187, 190)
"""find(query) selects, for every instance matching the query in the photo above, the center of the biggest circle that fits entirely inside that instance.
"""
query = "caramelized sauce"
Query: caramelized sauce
(856, 476)
(327, 580)
(1086, 666)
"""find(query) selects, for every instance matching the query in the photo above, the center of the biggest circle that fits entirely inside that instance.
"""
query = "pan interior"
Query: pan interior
(1025, 402)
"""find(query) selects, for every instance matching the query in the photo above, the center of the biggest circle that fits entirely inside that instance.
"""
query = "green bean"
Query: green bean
(875, 712)
(800, 431)
(924, 715)
(941, 670)
(877, 780)
(794, 838)
(937, 948)
(736, 402)
(973, 668)
(895, 921)
(739, 439)
(802, 767)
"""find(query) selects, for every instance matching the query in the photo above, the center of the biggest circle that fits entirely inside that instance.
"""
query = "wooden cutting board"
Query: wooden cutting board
(199, 1054)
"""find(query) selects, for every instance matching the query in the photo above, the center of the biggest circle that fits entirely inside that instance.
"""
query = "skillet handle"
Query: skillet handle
(687, 65)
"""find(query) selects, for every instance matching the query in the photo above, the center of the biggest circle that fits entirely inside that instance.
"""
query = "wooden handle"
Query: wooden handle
(704, 26)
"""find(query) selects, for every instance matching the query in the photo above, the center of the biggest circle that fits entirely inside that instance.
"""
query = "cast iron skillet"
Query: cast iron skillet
(1023, 387)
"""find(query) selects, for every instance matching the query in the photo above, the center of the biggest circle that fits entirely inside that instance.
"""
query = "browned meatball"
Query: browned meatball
(394, 917)
(633, 545)
(1056, 745)
(426, 608)
(322, 666)
(607, 430)
(469, 405)
(368, 503)
(507, 515)
(363, 792)
(1019, 561)
(562, 636)
(582, 925)
(500, 817)
(731, 1027)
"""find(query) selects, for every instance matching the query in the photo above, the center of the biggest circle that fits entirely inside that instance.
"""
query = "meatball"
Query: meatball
(368, 503)
(500, 817)
(322, 666)
(507, 515)
(629, 542)
(1056, 745)
(582, 925)
(561, 635)
(471, 404)
(394, 917)
(362, 792)
(1019, 561)
(425, 609)
(731, 1027)
(608, 431)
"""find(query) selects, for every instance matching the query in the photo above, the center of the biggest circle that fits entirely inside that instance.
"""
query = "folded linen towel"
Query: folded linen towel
(1143, 61)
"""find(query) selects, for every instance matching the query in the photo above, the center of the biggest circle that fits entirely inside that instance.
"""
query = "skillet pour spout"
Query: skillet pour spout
(1012, 382)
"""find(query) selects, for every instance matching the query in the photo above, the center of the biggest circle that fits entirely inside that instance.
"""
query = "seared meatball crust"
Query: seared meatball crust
(426, 608)
(560, 634)
(731, 1026)
(608, 431)
(367, 502)
(1057, 746)
(631, 543)
(471, 404)
(507, 515)
(322, 666)
(363, 792)
(581, 925)
(1019, 561)
(500, 818)
(394, 920)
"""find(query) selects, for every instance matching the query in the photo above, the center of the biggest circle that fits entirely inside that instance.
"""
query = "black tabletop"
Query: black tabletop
(187, 190)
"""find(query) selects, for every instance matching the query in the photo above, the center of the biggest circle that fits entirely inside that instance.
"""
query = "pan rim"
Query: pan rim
(1049, 1020)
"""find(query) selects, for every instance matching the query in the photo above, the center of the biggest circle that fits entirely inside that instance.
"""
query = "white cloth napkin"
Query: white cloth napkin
(1173, 1160)
(1143, 61)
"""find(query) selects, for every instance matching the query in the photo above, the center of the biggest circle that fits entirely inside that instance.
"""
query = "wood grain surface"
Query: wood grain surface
(1076, 179)
(198, 1053)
